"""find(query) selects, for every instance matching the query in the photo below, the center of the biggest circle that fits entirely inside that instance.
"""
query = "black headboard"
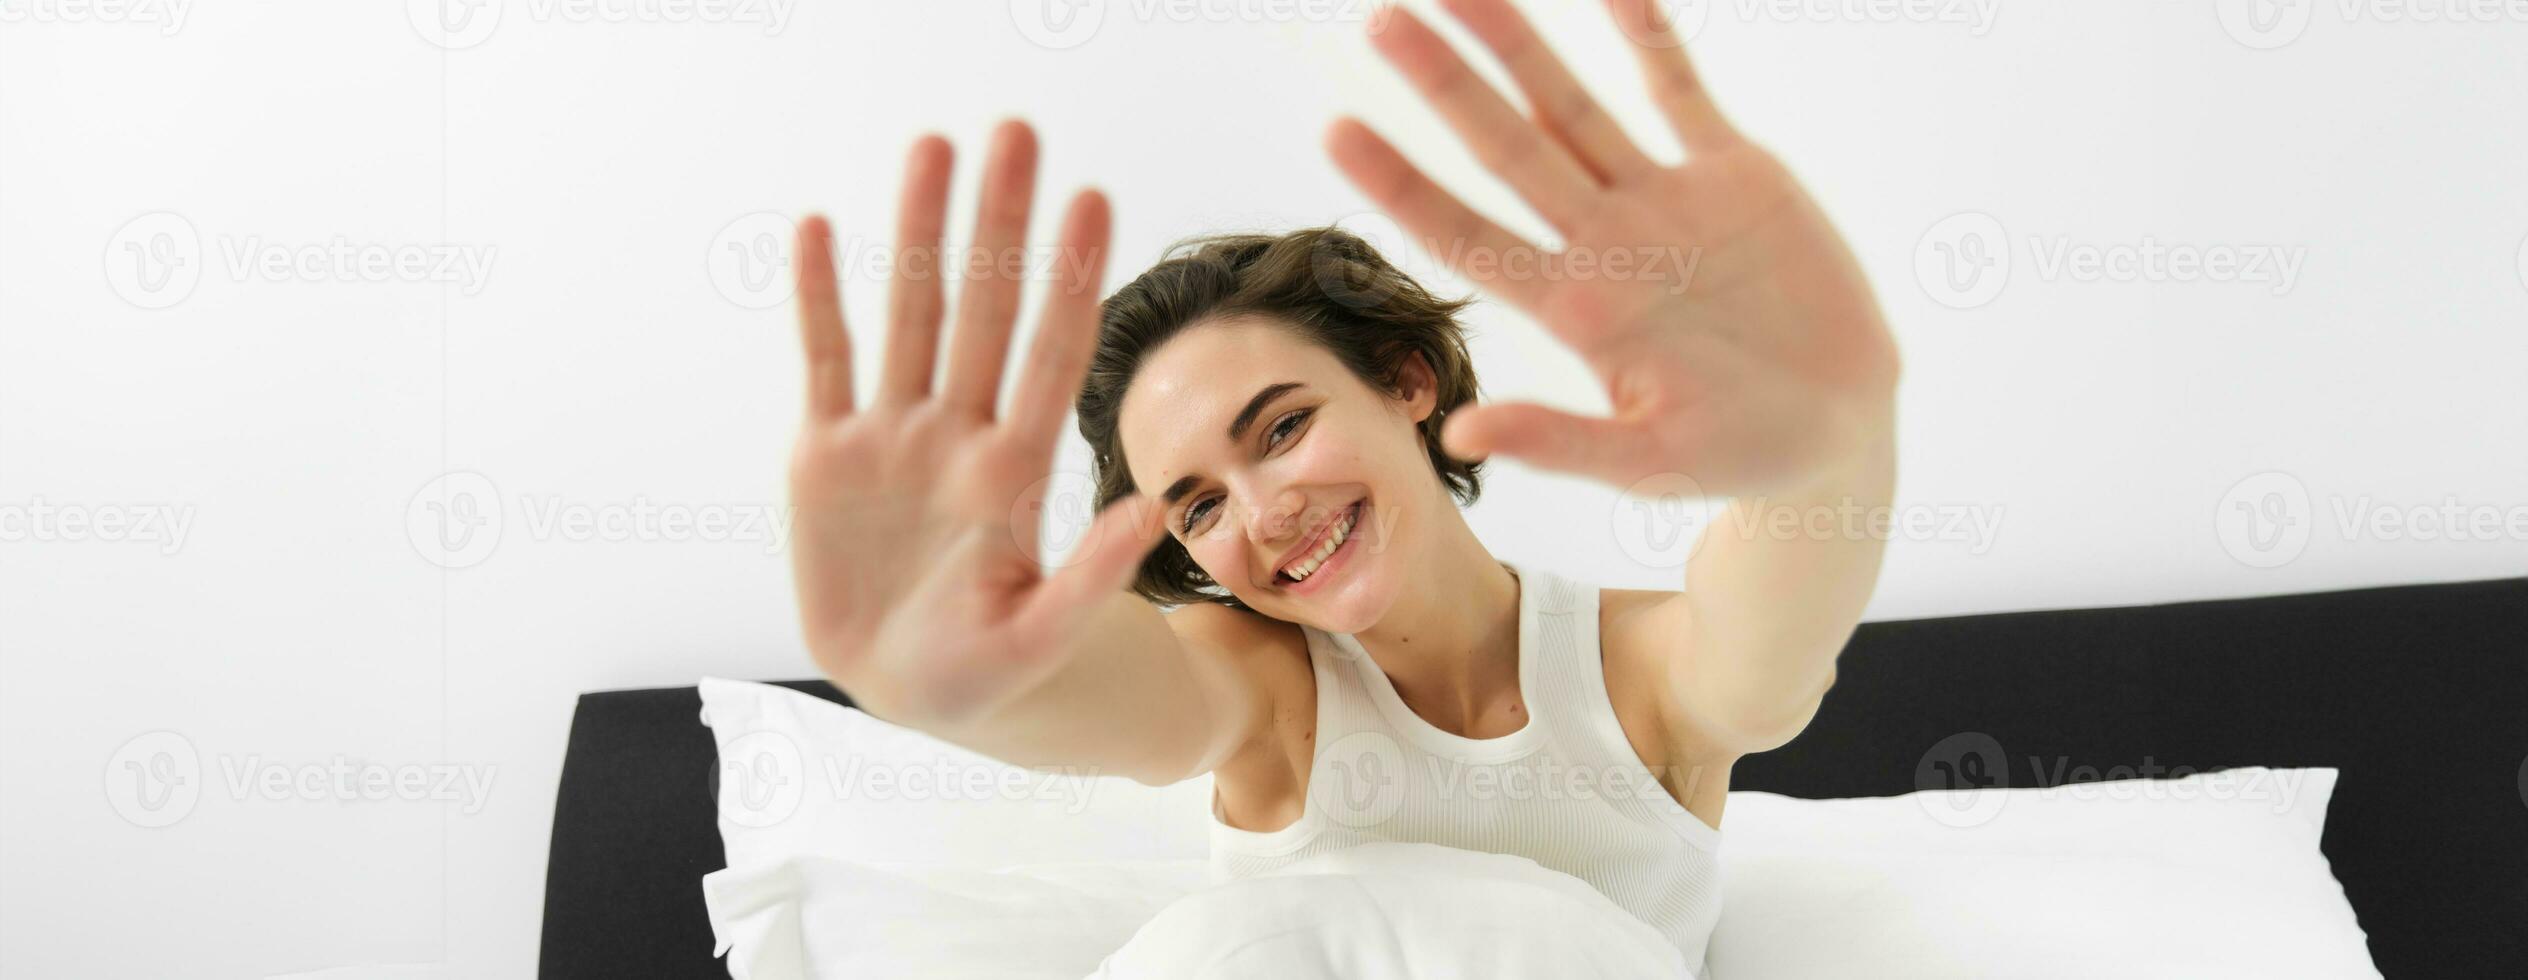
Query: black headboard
(2419, 694)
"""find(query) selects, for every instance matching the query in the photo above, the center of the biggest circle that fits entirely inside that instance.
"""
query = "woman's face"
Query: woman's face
(1253, 485)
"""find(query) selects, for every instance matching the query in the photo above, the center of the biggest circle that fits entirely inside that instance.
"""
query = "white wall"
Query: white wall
(295, 424)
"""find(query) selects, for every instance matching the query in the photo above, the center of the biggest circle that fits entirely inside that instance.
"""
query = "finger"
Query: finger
(1548, 439)
(821, 333)
(1477, 248)
(1670, 74)
(1509, 145)
(1561, 105)
(1107, 560)
(1066, 335)
(914, 293)
(987, 303)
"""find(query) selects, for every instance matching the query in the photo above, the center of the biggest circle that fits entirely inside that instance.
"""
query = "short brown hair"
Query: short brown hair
(1325, 284)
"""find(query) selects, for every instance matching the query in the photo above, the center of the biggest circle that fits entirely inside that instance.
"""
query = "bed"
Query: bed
(2419, 694)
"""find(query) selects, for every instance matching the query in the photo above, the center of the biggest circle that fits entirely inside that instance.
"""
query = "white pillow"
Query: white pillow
(817, 917)
(802, 776)
(2211, 875)
(1398, 911)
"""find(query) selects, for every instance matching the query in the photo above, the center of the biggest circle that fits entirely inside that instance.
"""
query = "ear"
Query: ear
(1418, 386)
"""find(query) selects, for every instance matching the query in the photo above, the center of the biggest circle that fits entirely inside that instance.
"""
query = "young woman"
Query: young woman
(1284, 430)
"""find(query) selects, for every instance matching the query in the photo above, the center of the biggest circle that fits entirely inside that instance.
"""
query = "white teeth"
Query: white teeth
(1306, 566)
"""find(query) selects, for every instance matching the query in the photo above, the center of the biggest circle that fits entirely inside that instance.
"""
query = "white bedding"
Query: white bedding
(2220, 873)
(1375, 912)
(1396, 912)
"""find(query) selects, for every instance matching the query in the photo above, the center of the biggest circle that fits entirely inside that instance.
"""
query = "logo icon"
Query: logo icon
(1660, 520)
(759, 779)
(2265, 520)
(1367, 787)
(1960, 781)
(1685, 19)
(1052, 519)
(1057, 24)
(453, 24)
(154, 779)
(750, 260)
(154, 260)
(2265, 24)
(1341, 274)
(1963, 261)
(454, 521)
(2523, 262)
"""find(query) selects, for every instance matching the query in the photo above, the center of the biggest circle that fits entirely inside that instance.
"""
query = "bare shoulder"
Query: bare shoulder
(1637, 645)
(1238, 634)
(1271, 654)
(1263, 786)
(1639, 632)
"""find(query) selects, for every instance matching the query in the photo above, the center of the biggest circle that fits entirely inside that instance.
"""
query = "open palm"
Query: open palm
(1739, 343)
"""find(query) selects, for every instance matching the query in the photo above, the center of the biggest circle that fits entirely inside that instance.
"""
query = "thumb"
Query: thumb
(1545, 438)
(1106, 561)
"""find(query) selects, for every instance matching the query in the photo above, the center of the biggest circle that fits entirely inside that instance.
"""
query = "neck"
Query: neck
(1450, 644)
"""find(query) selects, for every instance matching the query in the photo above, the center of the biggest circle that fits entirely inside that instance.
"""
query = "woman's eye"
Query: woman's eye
(1288, 424)
(1281, 430)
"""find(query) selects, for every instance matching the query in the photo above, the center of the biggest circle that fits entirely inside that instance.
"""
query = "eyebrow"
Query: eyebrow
(1237, 433)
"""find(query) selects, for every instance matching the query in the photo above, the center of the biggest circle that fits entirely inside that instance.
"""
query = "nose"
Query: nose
(1276, 520)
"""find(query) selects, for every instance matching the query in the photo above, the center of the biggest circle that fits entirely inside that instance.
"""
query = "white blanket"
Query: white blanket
(1394, 912)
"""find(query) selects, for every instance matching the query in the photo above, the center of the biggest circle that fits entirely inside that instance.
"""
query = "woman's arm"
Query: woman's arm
(1155, 697)
(920, 590)
(1740, 346)
(1773, 593)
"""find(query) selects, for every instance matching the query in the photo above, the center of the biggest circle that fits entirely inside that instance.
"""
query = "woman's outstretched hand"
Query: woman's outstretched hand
(920, 590)
(1738, 340)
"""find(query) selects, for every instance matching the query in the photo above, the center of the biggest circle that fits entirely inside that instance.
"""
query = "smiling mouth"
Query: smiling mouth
(1338, 536)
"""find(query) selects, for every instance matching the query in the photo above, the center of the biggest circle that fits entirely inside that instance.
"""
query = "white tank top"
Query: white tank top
(1566, 791)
